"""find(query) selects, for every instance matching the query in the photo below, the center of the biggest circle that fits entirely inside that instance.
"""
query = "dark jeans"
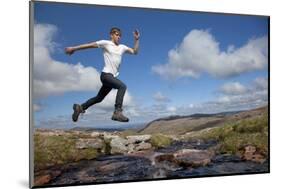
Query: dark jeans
(108, 82)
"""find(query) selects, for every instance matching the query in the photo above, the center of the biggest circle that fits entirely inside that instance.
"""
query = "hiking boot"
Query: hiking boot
(77, 111)
(118, 116)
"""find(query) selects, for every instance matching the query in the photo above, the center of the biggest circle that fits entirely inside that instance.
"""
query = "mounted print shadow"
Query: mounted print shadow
(123, 94)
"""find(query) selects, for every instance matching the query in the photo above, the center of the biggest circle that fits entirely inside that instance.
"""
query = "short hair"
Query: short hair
(115, 29)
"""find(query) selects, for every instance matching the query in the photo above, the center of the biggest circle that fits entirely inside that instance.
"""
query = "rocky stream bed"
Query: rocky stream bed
(179, 160)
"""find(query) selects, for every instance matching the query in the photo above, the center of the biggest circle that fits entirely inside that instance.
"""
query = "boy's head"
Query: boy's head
(115, 34)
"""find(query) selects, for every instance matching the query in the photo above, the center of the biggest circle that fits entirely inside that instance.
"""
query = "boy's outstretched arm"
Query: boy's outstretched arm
(71, 50)
(136, 43)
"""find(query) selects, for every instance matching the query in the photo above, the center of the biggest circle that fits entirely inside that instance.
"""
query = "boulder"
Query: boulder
(187, 157)
(143, 146)
(251, 154)
(131, 148)
(45, 177)
(138, 138)
(250, 150)
(95, 143)
(192, 157)
(109, 136)
(130, 145)
(41, 180)
(119, 145)
(164, 157)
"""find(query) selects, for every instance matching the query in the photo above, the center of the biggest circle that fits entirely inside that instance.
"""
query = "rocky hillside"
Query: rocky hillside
(178, 125)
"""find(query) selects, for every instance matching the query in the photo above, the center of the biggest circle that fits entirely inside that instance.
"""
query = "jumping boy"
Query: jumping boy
(112, 53)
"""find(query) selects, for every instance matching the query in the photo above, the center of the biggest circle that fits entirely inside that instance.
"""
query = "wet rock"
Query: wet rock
(148, 154)
(258, 158)
(90, 143)
(41, 180)
(159, 173)
(83, 176)
(251, 154)
(138, 138)
(193, 158)
(164, 157)
(45, 177)
(191, 144)
(223, 158)
(111, 167)
(187, 157)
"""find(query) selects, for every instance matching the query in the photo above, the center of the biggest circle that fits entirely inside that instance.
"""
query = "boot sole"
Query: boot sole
(115, 119)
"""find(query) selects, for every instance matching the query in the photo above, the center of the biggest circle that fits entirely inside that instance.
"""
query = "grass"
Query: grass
(232, 137)
(56, 150)
(128, 132)
(160, 141)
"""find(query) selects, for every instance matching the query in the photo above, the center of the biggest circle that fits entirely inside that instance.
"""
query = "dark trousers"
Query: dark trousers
(108, 82)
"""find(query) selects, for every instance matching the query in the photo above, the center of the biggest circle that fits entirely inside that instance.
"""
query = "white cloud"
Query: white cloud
(172, 109)
(199, 53)
(53, 77)
(233, 88)
(252, 95)
(159, 97)
(235, 96)
(239, 97)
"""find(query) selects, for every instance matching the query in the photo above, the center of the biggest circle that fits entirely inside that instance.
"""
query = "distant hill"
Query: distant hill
(91, 129)
(177, 125)
(109, 128)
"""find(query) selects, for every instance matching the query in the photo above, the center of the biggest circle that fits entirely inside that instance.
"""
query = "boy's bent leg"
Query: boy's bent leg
(118, 115)
(100, 96)
(115, 83)
(120, 95)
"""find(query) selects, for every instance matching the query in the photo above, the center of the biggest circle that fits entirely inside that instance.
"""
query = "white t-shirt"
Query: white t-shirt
(112, 54)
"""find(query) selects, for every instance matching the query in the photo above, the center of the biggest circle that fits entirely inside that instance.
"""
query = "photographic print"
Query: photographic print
(123, 94)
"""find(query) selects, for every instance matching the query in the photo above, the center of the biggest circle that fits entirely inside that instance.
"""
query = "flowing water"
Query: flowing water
(118, 168)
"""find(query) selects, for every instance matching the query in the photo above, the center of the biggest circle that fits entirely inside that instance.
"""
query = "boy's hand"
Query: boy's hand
(136, 34)
(69, 50)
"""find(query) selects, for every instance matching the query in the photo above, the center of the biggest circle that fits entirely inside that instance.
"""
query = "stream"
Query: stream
(118, 168)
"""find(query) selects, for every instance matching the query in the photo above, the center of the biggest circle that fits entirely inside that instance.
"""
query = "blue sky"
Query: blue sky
(188, 62)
